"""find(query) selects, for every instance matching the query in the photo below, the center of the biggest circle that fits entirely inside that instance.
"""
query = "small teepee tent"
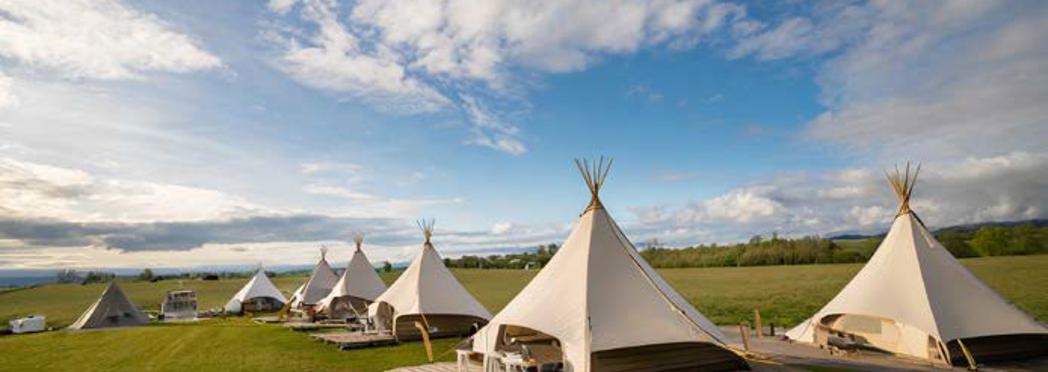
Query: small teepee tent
(358, 287)
(913, 298)
(113, 309)
(317, 286)
(598, 306)
(427, 293)
(258, 295)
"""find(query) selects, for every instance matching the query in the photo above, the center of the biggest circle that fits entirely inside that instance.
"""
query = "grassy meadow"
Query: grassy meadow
(784, 294)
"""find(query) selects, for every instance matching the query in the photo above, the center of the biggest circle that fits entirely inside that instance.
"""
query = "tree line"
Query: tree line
(526, 260)
(964, 241)
(984, 241)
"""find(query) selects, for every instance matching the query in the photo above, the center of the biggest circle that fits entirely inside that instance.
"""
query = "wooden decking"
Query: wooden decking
(304, 326)
(354, 340)
(267, 319)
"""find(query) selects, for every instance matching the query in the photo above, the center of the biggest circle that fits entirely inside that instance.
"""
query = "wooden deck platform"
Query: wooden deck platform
(354, 340)
(304, 327)
(267, 319)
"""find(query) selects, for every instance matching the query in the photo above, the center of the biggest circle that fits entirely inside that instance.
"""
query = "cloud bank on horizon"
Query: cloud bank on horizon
(200, 141)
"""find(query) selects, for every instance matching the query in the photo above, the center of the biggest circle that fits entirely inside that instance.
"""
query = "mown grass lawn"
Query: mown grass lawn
(784, 294)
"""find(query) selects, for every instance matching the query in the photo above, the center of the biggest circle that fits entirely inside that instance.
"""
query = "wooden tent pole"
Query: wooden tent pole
(967, 355)
(425, 340)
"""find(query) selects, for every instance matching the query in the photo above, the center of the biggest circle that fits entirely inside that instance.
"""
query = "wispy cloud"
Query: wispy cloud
(644, 93)
(312, 168)
(426, 56)
(96, 40)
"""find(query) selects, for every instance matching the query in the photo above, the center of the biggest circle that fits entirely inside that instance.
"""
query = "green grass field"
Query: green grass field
(784, 294)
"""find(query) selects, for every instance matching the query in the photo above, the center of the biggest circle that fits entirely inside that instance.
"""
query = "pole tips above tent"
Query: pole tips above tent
(358, 239)
(427, 228)
(902, 183)
(323, 252)
(595, 173)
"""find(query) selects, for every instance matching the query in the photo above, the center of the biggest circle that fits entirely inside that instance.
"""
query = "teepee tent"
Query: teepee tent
(258, 295)
(113, 309)
(598, 306)
(913, 298)
(317, 286)
(427, 293)
(358, 287)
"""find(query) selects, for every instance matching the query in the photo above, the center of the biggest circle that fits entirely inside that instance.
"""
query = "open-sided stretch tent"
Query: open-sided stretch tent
(598, 306)
(358, 287)
(914, 298)
(258, 295)
(427, 293)
(317, 286)
(113, 309)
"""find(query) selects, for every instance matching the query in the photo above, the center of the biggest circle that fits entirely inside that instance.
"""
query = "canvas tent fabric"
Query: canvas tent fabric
(598, 294)
(317, 286)
(258, 287)
(112, 309)
(359, 280)
(914, 298)
(427, 288)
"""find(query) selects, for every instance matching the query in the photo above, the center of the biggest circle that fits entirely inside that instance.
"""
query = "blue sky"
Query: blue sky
(181, 134)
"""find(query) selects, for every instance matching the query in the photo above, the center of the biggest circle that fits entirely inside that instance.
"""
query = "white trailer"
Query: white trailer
(32, 323)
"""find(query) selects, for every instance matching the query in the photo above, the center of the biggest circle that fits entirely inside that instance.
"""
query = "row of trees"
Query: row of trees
(758, 251)
(987, 240)
(1021, 239)
(527, 260)
(984, 241)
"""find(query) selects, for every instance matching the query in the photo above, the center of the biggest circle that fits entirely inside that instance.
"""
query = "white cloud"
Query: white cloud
(920, 83)
(490, 130)
(341, 192)
(412, 56)
(335, 59)
(501, 228)
(741, 206)
(281, 6)
(999, 188)
(329, 167)
(7, 96)
(32, 190)
(477, 40)
(95, 40)
(370, 205)
(833, 27)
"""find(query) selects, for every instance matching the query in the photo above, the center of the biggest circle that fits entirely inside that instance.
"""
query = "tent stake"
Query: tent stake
(757, 323)
(744, 331)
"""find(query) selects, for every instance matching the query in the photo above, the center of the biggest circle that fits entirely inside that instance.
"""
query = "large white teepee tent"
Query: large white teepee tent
(598, 306)
(427, 293)
(358, 286)
(113, 309)
(317, 286)
(914, 298)
(258, 295)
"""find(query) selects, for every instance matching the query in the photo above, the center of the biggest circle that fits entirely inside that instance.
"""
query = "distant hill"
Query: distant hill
(1040, 222)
